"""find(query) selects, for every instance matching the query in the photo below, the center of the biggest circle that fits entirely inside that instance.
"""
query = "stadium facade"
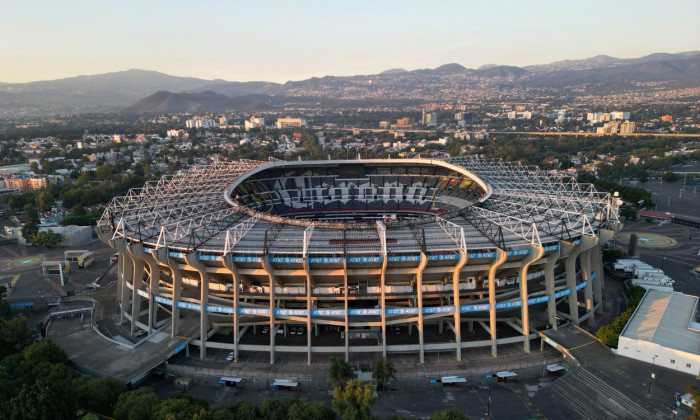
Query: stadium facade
(438, 248)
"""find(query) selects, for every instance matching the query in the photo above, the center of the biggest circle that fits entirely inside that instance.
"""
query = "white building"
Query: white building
(254, 122)
(429, 118)
(290, 122)
(663, 331)
(519, 115)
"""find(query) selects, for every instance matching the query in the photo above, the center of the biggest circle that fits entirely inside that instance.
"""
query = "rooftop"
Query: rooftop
(664, 318)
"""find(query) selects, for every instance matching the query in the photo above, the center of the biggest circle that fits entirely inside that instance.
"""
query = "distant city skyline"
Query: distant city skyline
(241, 41)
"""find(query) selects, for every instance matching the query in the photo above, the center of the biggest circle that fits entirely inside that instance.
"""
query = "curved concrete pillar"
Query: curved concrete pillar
(125, 273)
(463, 257)
(535, 254)
(137, 283)
(308, 310)
(203, 300)
(236, 278)
(552, 259)
(273, 328)
(161, 255)
(347, 305)
(153, 281)
(587, 242)
(604, 235)
(382, 279)
(419, 287)
(585, 265)
(501, 257)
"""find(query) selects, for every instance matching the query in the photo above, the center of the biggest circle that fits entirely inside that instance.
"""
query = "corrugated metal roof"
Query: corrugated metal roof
(663, 318)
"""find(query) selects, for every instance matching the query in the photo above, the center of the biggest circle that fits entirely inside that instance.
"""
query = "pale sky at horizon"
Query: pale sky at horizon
(280, 41)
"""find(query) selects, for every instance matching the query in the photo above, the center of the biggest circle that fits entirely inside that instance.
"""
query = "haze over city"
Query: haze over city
(291, 41)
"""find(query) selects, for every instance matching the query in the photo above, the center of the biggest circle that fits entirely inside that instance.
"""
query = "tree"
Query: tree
(353, 402)
(271, 409)
(30, 213)
(43, 400)
(29, 231)
(695, 395)
(44, 201)
(612, 254)
(97, 394)
(78, 210)
(339, 372)
(314, 410)
(240, 410)
(628, 212)
(179, 407)
(47, 238)
(15, 335)
(383, 372)
(138, 404)
(449, 414)
(34, 167)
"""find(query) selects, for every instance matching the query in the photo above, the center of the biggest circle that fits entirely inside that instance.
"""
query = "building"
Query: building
(667, 118)
(663, 331)
(519, 115)
(429, 118)
(627, 127)
(599, 117)
(254, 122)
(290, 122)
(405, 122)
(384, 124)
(368, 246)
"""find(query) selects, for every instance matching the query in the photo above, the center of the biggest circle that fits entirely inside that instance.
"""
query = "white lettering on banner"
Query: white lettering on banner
(509, 304)
(562, 293)
(253, 311)
(129, 285)
(142, 293)
(480, 255)
(325, 260)
(439, 309)
(365, 259)
(551, 248)
(287, 260)
(190, 306)
(246, 259)
(582, 285)
(402, 311)
(404, 258)
(519, 252)
(163, 300)
(206, 257)
(536, 300)
(475, 308)
(362, 312)
(290, 312)
(176, 254)
(327, 312)
(442, 257)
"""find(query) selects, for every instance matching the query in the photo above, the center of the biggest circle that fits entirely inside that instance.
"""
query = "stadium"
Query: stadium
(376, 256)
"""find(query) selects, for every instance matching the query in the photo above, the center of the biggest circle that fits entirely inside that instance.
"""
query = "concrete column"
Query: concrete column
(383, 301)
(273, 329)
(604, 235)
(501, 257)
(161, 255)
(126, 273)
(587, 242)
(535, 254)
(419, 295)
(347, 305)
(308, 310)
(463, 256)
(552, 259)
(153, 282)
(228, 263)
(203, 300)
(137, 283)
(585, 264)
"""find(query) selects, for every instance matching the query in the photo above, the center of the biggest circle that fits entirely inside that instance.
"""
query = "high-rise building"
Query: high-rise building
(429, 118)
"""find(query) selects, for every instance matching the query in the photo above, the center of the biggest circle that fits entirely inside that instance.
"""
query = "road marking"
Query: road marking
(12, 282)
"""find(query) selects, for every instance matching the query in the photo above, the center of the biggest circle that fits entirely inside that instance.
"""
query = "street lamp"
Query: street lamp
(652, 376)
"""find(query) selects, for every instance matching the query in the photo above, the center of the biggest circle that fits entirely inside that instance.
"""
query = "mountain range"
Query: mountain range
(142, 91)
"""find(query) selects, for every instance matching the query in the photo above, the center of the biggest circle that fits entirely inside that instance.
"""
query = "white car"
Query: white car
(230, 357)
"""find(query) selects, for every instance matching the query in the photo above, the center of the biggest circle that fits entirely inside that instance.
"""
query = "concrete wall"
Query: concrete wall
(666, 357)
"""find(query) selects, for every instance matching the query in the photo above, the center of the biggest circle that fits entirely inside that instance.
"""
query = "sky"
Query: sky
(294, 40)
